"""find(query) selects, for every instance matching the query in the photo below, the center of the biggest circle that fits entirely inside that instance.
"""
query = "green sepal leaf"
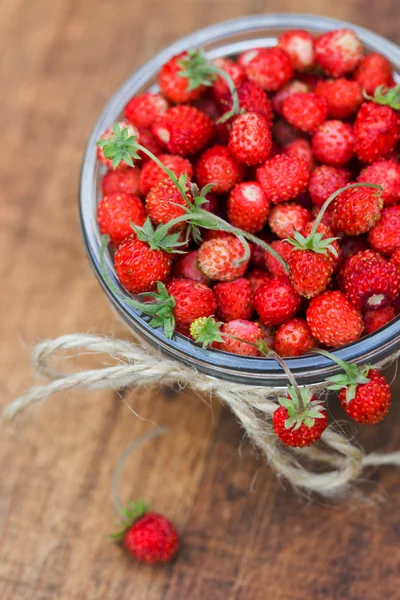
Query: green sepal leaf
(120, 146)
(386, 96)
(131, 513)
(206, 331)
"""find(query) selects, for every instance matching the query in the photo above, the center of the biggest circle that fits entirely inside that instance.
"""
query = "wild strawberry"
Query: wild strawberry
(385, 235)
(252, 98)
(246, 331)
(234, 299)
(291, 88)
(184, 130)
(248, 206)
(356, 210)
(327, 233)
(333, 320)
(138, 267)
(305, 111)
(257, 278)
(333, 143)
(164, 202)
(109, 135)
(350, 262)
(276, 301)
(344, 97)
(144, 109)
(339, 51)
(325, 181)
(186, 267)
(175, 87)
(299, 422)
(250, 139)
(310, 272)
(270, 68)
(395, 260)
(302, 150)
(217, 258)
(151, 174)
(376, 131)
(217, 165)
(192, 300)
(148, 536)
(375, 319)
(126, 181)
(235, 72)
(284, 249)
(149, 141)
(370, 282)
(385, 173)
(286, 218)
(283, 177)
(374, 70)
(299, 45)
(294, 338)
(115, 213)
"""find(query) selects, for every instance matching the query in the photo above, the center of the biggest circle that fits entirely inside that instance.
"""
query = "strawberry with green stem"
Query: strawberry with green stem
(386, 96)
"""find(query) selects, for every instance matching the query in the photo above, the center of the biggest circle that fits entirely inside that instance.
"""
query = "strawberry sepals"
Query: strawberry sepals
(303, 410)
(315, 242)
(130, 514)
(206, 331)
(352, 377)
(120, 147)
(386, 96)
(158, 239)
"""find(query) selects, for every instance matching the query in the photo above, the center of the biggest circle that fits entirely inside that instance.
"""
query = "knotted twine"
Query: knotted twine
(342, 462)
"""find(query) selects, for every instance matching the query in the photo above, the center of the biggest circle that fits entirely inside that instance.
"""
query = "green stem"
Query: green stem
(341, 363)
(235, 98)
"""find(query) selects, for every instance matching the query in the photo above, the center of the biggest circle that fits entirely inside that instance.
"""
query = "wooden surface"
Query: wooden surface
(245, 537)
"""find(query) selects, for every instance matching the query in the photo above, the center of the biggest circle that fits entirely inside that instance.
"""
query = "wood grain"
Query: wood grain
(245, 537)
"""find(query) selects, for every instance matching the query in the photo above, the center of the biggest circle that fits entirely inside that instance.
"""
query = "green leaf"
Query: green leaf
(386, 96)
(206, 331)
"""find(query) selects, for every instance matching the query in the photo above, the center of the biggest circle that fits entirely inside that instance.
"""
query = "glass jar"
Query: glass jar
(225, 39)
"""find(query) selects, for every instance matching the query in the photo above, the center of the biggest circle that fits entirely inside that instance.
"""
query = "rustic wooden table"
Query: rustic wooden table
(245, 537)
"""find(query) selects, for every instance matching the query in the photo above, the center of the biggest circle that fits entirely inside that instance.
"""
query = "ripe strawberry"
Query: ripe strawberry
(305, 111)
(299, 46)
(108, 135)
(310, 272)
(299, 425)
(269, 67)
(144, 109)
(350, 262)
(327, 234)
(294, 338)
(276, 301)
(257, 278)
(333, 143)
(344, 97)
(374, 70)
(126, 181)
(175, 87)
(138, 267)
(286, 218)
(283, 177)
(217, 165)
(250, 139)
(338, 52)
(216, 259)
(333, 320)
(367, 402)
(325, 181)
(235, 72)
(385, 235)
(149, 141)
(302, 150)
(234, 300)
(186, 267)
(284, 249)
(375, 319)
(376, 131)
(293, 87)
(252, 98)
(356, 210)
(246, 331)
(164, 202)
(192, 300)
(115, 212)
(248, 206)
(184, 130)
(151, 174)
(385, 173)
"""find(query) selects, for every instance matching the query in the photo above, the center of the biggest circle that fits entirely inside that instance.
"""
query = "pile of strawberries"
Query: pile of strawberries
(264, 191)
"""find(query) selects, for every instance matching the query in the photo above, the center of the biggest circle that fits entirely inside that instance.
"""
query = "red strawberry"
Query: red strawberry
(376, 131)
(302, 150)
(375, 319)
(173, 85)
(164, 202)
(116, 211)
(310, 272)
(276, 301)
(385, 173)
(192, 300)
(294, 338)
(184, 130)
(325, 181)
(283, 177)
(385, 235)
(186, 267)
(356, 210)
(126, 181)
(343, 97)
(297, 425)
(246, 331)
(350, 262)
(291, 88)
(252, 98)
(257, 278)
(333, 143)
(374, 70)
(305, 111)
(333, 320)
(286, 218)
(250, 139)
(369, 402)
(150, 537)
(151, 173)
(234, 299)
(235, 72)
(138, 267)
(269, 67)
(217, 165)
(284, 249)
(149, 141)
(326, 234)
(299, 45)
(248, 206)
(395, 260)
(144, 109)
(108, 135)
(217, 256)
(339, 51)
